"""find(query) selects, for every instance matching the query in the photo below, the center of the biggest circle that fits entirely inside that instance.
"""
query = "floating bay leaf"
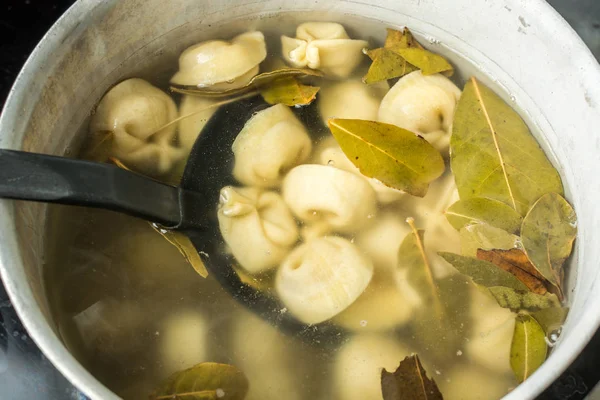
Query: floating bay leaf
(551, 319)
(401, 39)
(205, 381)
(548, 232)
(409, 382)
(528, 349)
(396, 157)
(486, 237)
(483, 272)
(258, 82)
(494, 155)
(185, 247)
(482, 210)
(516, 262)
(428, 62)
(387, 64)
(518, 300)
(289, 91)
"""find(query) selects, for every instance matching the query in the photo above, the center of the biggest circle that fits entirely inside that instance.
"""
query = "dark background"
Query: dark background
(25, 374)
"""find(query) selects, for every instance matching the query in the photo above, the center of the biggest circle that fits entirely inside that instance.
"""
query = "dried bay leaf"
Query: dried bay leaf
(518, 300)
(494, 155)
(551, 319)
(396, 157)
(528, 349)
(289, 91)
(205, 381)
(387, 64)
(428, 62)
(185, 247)
(516, 262)
(548, 232)
(486, 237)
(481, 210)
(483, 272)
(409, 382)
(401, 39)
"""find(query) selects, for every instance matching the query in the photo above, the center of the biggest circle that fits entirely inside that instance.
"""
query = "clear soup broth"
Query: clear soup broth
(133, 311)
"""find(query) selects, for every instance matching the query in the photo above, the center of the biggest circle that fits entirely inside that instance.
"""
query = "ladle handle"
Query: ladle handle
(51, 179)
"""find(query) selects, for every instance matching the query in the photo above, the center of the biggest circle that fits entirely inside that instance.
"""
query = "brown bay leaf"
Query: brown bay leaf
(396, 157)
(551, 319)
(494, 155)
(516, 262)
(519, 300)
(481, 210)
(409, 382)
(289, 91)
(205, 381)
(428, 62)
(548, 232)
(486, 237)
(528, 349)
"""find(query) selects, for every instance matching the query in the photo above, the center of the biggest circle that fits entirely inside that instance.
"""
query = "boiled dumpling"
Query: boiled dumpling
(320, 193)
(329, 153)
(423, 104)
(358, 366)
(324, 46)
(492, 333)
(271, 143)
(183, 341)
(322, 277)
(351, 99)
(134, 112)
(220, 64)
(257, 226)
(191, 126)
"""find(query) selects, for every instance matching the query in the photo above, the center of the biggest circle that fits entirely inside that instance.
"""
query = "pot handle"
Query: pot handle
(52, 179)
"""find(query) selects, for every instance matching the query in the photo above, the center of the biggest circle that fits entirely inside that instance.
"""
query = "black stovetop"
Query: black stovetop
(25, 373)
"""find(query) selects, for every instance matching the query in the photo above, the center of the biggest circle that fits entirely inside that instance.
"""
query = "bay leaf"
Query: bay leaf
(396, 157)
(428, 62)
(519, 300)
(259, 81)
(289, 91)
(483, 272)
(401, 39)
(548, 232)
(185, 247)
(551, 319)
(409, 382)
(387, 64)
(494, 155)
(515, 261)
(487, 237)
(205, 381)
(98, 147)
(481, 210)
(528, 349)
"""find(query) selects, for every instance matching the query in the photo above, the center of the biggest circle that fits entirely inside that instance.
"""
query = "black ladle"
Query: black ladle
(190, 208)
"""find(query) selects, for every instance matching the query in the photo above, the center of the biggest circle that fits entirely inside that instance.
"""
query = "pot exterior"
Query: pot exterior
(531, 53)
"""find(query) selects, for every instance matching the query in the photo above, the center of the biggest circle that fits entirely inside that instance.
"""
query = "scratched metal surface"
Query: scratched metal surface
(26, 374)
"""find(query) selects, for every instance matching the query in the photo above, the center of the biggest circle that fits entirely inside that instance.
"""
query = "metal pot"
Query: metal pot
(532, 54)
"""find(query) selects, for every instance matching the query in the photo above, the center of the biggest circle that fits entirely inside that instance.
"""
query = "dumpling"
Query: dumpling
(322, 277)
(423, 104)
(358, 366)
(190, 127)
(492, 333)
(134, 112)
(329, 153)
(320, 193)
(351, 99)
(257, 226)
(381, 307)
(221, 64)
(271, 143)
(183, 341)
(324, 46)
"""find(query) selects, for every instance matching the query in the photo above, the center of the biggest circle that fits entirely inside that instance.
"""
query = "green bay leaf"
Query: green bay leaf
(396, 157)
(548, 232)
(483, 272)
(387, 64)
(401, 39)
(551, 319)
(409, 381)
(482, 210)
(519, 300)
(289, 91)
(528, 349)
(494, 155)
(428, 62)
(205, 381)
(485, 237)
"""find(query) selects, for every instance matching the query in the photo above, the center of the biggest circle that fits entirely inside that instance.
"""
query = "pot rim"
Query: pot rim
(21, 295)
